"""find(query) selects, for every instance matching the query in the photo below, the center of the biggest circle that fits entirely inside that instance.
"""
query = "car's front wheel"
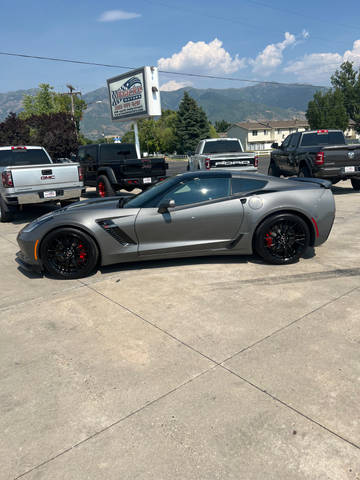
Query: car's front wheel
(282, 238)
(273, 170)
(68, 253)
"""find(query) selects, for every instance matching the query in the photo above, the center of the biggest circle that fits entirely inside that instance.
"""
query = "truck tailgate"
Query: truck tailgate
(229, 160)
(39, 177)
(341, 156)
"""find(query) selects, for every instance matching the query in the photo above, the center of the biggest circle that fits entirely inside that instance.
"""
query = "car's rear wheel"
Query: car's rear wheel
(355, 182)
(6, 211)
(282, 239)
(68, 253)
(103, 187)
(273, 170)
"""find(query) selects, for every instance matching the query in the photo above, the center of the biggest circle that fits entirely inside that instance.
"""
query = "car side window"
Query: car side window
(286, 142)
(244, 185)
(198, 190)
(294, 140)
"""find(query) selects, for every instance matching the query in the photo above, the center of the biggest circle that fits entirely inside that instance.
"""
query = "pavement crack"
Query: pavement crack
(276, 399)
(114, 424)
(275, 332)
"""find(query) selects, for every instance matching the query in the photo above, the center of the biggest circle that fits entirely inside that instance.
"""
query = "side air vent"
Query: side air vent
(112, 229)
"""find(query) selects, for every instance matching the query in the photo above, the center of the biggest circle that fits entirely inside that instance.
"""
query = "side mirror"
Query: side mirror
(164, 206)
(275, 145)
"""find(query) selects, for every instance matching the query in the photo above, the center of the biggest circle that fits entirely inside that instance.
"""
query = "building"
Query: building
(259, 136)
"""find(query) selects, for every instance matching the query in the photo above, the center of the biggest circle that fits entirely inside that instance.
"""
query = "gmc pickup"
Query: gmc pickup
(222, 153)
(28, 176)
(317, 153)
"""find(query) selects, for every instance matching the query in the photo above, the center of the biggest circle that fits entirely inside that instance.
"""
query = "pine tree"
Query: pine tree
(191, 125)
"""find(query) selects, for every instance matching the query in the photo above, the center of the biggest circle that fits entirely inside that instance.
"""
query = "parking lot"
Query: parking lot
(211, 368)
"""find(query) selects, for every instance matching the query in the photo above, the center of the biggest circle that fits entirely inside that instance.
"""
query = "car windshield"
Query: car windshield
(12, 158)
(222, 146)
(327, 138)
(143, 198)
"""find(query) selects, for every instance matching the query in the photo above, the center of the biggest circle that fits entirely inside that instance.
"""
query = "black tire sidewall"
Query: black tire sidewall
(273, 171)
(109, 191)
(6, 212)
(355, 182)
(93, 255)
(263, 252)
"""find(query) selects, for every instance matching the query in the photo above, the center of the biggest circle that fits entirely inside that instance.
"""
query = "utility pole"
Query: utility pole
(72, 93)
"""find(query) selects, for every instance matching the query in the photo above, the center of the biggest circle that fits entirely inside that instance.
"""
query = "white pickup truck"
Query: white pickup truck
(29, 176)
(222, 153)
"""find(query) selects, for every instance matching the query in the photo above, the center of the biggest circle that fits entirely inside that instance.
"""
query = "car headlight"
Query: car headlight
(36, 223)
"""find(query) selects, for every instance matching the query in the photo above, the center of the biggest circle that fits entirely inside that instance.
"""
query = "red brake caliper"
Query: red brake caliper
(82, 252)
(268, 239)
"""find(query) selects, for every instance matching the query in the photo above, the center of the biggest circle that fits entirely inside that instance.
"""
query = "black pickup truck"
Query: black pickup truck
(317, 153)
(114, 166)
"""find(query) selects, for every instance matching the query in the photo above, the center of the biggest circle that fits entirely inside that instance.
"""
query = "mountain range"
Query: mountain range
(256, 103)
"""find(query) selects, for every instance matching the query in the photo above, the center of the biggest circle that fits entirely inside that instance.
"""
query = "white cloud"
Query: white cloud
(202, 57)
(272, 55)
(174, 85)
(114, 15)
(318, 67)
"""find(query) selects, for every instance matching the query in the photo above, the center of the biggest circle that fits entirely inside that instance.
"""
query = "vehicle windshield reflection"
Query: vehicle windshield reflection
(143, 198)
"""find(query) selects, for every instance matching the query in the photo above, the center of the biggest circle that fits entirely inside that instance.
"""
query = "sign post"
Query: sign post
(134, 95)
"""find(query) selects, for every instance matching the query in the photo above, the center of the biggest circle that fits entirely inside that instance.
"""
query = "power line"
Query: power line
(184, 74)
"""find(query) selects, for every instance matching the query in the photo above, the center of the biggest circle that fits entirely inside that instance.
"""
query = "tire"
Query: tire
(66, 203)
(68, 253)
(273, 170)
(282, 239)
(6, 211)
(304, 172)
(355, 182)
(103, 187)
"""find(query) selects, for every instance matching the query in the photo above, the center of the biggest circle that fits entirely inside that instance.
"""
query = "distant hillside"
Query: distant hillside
(259, 102)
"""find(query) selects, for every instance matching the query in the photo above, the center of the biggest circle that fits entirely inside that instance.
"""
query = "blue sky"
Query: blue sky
(284, 41)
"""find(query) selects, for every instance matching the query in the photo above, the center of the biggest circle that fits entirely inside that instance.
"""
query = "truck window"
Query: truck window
(222, 146)
(12, 158)
(328, 138)
(114, 152)
(286, 142)
(294, 140)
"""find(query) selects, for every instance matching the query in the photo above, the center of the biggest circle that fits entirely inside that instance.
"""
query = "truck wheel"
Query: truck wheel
(6, 211)
(355, 182)
(304, 172)
(282, 239)
(103, 187)
(273, 170)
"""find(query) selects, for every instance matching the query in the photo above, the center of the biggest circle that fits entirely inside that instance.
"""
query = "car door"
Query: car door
(204, 218)
(291, 157)
(89, 162)
(283, 154)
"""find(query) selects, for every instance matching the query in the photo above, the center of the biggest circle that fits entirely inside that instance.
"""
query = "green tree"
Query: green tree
(191, 125)
(327, 110)
(46, 102)
(222, 125)
(347, 80)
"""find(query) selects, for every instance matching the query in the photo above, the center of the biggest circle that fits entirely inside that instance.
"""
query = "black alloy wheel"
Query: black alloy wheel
(68, 253)
(282, 239)
(273, 170)
(103, 187)
(355, 182)
(6, 211)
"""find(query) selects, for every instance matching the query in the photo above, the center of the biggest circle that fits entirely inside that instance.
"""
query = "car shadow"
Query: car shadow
(342, 190)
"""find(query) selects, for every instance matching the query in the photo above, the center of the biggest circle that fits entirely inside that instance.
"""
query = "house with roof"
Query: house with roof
(259, 136)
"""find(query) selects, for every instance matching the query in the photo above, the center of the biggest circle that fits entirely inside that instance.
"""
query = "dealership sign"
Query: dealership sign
(135, 94)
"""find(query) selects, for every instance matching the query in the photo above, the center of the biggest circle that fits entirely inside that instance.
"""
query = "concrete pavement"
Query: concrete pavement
(212, 368)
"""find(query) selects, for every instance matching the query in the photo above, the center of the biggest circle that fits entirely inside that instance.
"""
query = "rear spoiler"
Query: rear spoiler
(322, 183)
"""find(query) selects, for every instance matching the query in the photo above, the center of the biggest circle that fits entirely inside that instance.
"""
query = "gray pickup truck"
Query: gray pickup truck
(317, 153)
(28, 176)
(222, 153)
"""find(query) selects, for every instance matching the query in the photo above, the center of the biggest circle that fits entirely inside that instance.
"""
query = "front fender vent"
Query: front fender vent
(112, 229)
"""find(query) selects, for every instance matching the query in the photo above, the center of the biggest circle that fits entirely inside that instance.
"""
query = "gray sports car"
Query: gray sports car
(193, 214)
